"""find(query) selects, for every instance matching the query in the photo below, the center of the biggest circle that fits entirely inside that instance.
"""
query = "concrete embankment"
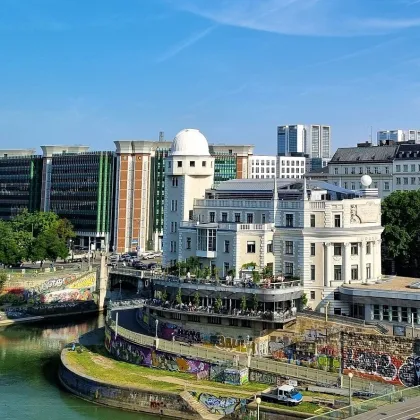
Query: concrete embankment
(127, 398)
(32, 319)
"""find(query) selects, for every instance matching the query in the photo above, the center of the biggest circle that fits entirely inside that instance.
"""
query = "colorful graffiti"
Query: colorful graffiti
(383, 367)
(56, 283)
(86, 282)
(264, 377)
(66, 295)
(220, 405)
(236, 376)
(132, 353)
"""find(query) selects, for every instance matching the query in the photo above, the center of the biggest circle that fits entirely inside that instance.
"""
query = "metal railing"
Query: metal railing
(370, 405)
(302, 373)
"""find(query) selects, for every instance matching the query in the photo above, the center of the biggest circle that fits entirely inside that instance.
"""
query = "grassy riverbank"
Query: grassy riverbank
(99, 367)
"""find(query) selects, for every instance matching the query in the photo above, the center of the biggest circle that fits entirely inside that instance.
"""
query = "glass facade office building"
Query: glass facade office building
(225, 167)
(82, 191)
(20, 184)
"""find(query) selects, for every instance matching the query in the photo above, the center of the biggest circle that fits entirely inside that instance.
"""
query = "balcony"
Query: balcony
(236, 227)
(206, 254)
(240, 204)
(235, 289)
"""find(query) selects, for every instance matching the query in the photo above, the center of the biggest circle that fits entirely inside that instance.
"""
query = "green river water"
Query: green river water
(29, 389)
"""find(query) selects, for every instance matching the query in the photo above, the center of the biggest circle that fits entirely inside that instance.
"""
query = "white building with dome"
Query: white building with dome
(316, 233)
(189, 173)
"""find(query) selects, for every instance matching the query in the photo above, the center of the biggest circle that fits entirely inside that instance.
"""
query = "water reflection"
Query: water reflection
(29, 356)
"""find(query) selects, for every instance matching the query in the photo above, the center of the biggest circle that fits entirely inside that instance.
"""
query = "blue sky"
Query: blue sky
(91, 72)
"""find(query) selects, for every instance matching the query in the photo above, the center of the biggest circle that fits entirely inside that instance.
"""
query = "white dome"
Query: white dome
(190, 142)
(366, 180)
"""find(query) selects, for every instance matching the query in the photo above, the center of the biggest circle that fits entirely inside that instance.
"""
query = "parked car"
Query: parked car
(138, 265)
(285, 394)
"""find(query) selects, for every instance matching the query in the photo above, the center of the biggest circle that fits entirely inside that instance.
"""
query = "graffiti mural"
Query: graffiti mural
(66, 295)
(220, 405)
(86, 282)
(383, 367)
(236, 376)
(264, 377)
(145, 356)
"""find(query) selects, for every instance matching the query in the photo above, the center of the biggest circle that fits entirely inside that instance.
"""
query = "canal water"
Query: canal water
(29, 389)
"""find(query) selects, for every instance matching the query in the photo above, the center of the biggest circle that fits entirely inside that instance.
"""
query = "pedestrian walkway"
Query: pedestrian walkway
(198, 407)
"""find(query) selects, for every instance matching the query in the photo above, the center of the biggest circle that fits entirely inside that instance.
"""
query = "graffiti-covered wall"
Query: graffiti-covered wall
(132, 399)
(145, 356)
(220, 405)
(394, 360)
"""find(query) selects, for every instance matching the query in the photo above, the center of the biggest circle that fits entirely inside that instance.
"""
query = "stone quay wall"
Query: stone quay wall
(126, 398)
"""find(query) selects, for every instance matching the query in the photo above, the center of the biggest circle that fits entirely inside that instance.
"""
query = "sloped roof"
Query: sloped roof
(364, 154)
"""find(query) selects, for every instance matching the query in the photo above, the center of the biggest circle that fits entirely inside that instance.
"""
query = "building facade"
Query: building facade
(291, 166)
(313, 140)
(20, 182)
(139, 206)
(398, 136)
(79, 185)
(263, 167)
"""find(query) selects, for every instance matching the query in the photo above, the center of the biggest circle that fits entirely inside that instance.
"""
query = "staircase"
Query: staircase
(198, 407)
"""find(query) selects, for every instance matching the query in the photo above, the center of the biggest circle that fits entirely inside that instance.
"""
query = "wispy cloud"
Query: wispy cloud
(186, 43)
(304, 17)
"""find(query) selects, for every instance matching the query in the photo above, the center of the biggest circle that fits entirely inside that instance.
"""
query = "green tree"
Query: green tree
(256, 276)
(3, 279)
(196, 299)
(206, 271)
(303, 300)
(249, 266)
(243, 303)
(401, 235)
(178, 297)
(255, 301)
(164, 295)
(10, 252)
(218, 304)
(192, 264)
(267, 271)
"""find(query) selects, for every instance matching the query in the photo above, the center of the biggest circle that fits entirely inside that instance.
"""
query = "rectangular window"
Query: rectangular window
(346, 171)
(312, 250)
(345, 185)
(263, 218)
(288, 269)
(405, 181)
(289, 248)
(270, 247)
(368, 171)
(250, 247)
(386, 312)
(192, 163)
(312, 294)
(354, 248)
(289, 220)
(368, 248)
(376, 312)
(353, 170)
(179, 163)
(335, 171)
(250, 218)
(226, 267)
(188, 243)
(405, 168)
(354, 272)
(386, 170)
(312, 220)
(395, 313)
(174, 205)
(336, 295)
(353, 186)
(203, 163)
(368, 271)
(413, 168)
(174, 181)
(227, 247)
(398, 181)
(313, 272)
(398, 168)
(386, 186)
(237, 217)
(413, 180)
(337, 220)
(212, 216)
(212, 240)
(337, 272)
(404, 314)
(224, 217)
(337, 249)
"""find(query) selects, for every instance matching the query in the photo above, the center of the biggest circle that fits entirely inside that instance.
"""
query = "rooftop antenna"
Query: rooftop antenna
(161, 136)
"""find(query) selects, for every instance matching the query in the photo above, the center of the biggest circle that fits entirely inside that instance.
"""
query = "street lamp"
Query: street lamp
(258, 401)
(350, 375)
(157, 323)
(120, 289)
